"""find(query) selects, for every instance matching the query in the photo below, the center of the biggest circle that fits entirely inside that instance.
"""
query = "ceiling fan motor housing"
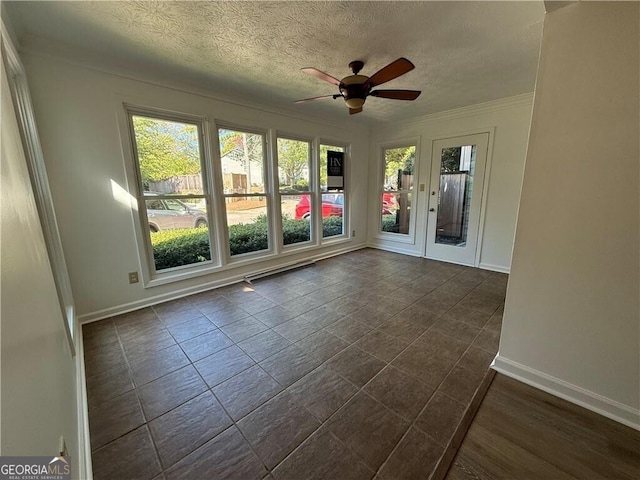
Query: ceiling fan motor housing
(354, 90)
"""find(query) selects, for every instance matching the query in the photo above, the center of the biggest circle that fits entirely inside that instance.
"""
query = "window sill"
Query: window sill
(237, 264)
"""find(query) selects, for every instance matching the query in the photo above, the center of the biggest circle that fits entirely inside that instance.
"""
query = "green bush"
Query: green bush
(249, 237)
(389, 223)
(174, 248)
(331, 226)
(302, 185)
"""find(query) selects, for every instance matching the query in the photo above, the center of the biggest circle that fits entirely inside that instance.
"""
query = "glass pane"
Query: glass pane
(332, 203)
(296, 215)
(323, 163)
(175, 245)
(248, 225)
(398, 168)
(332, 214)
(293, 166)
(242, 159)
(396, 219)
(454, 200)
(169, 156)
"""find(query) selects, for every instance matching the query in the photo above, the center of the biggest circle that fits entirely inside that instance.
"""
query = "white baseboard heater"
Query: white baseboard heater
(274, 271)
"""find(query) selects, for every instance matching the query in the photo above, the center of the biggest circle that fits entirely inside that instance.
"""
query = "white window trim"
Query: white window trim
(40, 184)
(211, 154)
(269, 194)
(346, 212)
(314, 186)
(150, 276)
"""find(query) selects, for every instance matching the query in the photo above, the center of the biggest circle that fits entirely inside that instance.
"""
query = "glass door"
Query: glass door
(455, 197)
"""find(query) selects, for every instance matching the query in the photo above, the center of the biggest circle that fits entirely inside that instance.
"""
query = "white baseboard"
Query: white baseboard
(572, 393)
(203, 287)
(395, 248)
(494, 268)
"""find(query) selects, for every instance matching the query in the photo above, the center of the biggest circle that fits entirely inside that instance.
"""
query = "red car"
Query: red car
(388, 203)
(331, 206)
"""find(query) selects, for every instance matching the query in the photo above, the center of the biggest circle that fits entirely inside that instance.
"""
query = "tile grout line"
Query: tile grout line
(323, 363)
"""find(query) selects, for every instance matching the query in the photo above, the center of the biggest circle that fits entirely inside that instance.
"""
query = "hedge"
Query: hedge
(173, 248)
(185, 246)
(389, 223)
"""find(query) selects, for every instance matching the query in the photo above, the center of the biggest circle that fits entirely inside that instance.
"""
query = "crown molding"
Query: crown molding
(525, 99)
(32, 46)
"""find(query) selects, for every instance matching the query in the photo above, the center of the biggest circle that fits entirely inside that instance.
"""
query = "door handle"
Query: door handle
(432, 209)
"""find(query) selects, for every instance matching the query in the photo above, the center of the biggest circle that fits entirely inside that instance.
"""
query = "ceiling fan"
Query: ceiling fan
(356, 88)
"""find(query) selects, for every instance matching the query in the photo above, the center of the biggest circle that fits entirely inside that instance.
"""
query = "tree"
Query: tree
(166, 149)
(293, 159)
(398, 159)
(450, 159)
(244, 148)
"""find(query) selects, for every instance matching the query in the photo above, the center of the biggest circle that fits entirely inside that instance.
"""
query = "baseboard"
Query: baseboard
(85, 468)
(393, 249)
(572, 393)
(203, 287)
(494, 268)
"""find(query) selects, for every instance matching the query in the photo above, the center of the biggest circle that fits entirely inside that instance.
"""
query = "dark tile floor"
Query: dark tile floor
(359, 366)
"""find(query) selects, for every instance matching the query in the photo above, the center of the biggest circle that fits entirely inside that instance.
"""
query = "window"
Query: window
(242, 159)
(397, 188)
(296, 196)
(196, 215)
(172, 186)
(333, 217)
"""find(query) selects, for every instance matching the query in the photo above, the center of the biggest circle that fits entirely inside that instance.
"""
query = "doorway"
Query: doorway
(455, 198)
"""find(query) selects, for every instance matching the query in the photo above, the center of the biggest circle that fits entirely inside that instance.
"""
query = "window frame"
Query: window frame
(312, 166)
(409, 237)
(346, 231)
(128, 193)
(268, 194)
(150, 275)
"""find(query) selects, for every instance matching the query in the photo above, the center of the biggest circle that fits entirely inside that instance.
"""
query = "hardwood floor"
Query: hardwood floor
(522, 433)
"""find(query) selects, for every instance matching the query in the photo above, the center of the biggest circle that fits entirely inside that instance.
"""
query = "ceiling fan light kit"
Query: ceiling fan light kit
(356, 88)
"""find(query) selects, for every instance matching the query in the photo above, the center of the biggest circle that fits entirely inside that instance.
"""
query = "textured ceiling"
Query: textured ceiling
(465, 52)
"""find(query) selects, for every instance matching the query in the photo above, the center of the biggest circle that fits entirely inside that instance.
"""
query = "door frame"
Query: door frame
(485, 190)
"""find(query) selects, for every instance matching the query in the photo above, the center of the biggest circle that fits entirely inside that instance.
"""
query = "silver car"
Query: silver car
(164, 214)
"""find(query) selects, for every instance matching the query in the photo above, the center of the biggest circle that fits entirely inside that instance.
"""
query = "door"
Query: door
(455, 198)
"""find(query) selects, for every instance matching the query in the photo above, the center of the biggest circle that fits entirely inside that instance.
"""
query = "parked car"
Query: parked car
(166, 213)
(331, 206)
(389, 202)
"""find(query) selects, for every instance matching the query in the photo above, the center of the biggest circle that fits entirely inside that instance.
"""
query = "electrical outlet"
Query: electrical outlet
(133, 277)
(353, 233)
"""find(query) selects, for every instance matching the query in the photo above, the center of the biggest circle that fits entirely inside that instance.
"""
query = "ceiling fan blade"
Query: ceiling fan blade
(354, 110)
(396, 94)
(321, 75)
(315, 98)
(391, 71)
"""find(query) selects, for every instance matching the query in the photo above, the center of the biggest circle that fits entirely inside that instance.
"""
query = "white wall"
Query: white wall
(38, 371)
(76, 110)
(509, 120)
(572, 315)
